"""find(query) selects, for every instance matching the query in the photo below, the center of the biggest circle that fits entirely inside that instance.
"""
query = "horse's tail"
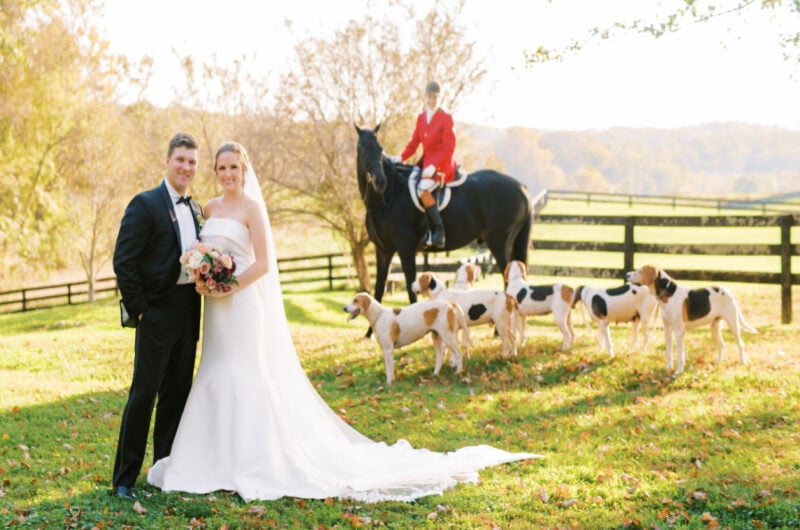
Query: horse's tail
(519, 249)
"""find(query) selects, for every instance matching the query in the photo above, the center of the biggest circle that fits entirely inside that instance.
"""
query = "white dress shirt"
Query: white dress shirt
(186, 225)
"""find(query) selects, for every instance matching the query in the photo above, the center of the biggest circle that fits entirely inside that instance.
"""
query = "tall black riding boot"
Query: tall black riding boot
(437, 227)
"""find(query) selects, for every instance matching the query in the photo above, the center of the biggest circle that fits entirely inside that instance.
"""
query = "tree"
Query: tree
(56, 71)
(684, 13)
(368, 72)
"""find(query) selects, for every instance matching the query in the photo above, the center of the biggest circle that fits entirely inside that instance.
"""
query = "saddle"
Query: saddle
(441, 193)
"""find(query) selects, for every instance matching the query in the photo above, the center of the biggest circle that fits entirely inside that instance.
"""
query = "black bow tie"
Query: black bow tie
(185, 200)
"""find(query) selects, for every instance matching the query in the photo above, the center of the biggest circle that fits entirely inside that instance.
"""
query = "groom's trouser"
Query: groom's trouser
(163, 366)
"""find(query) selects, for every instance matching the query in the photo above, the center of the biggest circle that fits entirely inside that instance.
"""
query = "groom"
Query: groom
(158, 225)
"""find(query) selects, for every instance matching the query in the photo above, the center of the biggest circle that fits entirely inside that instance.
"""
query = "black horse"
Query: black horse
(490, 207)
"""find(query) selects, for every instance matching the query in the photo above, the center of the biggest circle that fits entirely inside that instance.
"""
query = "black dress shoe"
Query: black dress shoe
(126, 492)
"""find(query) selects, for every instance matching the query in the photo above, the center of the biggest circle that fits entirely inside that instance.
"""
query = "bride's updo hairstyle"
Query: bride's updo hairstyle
(240, 151)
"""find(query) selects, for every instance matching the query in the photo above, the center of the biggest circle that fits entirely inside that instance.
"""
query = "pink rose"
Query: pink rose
(226, 261)
(204, 268)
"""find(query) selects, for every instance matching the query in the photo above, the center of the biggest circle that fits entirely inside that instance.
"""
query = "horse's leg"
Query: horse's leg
(499, 245)
(522, 242)
(408, 259)
(383, 264)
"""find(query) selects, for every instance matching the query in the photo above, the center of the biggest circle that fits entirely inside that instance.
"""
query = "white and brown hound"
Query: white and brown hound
(541, 300)
(466, 275)
(481, 306)
(626, 303)
(399, 327)
(685, 308)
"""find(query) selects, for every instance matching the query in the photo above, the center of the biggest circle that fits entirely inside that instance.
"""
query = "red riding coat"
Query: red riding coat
(438, 143)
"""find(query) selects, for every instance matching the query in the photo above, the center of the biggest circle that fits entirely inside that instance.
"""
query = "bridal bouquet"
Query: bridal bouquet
(207, 264)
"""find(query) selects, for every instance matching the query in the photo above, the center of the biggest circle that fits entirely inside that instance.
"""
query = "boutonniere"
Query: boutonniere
(198, 215)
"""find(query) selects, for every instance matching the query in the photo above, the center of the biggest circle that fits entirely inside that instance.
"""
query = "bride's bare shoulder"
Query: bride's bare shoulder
(211, 205)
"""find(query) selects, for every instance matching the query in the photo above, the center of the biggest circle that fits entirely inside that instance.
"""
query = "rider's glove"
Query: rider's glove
(395, 159)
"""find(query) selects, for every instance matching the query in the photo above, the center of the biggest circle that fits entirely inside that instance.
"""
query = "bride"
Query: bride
(253, 423)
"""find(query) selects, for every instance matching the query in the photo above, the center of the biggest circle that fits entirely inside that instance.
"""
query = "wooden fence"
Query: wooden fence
(628, 248)
(333, 271)
(313, 272)
(765, 206)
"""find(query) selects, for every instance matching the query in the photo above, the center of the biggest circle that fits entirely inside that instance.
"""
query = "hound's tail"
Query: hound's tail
(742, 322)
(576, 295)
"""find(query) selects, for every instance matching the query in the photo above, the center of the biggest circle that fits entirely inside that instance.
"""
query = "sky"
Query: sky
(722, 71)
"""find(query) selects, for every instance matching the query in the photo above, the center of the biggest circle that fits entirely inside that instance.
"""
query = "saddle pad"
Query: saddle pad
(442, 195)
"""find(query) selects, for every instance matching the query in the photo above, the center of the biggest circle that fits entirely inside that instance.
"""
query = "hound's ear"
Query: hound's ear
(470, 273)
(508, 268)
(363, 300)
(650, 274)
(523, 268)
(358, 129)
(377, 127)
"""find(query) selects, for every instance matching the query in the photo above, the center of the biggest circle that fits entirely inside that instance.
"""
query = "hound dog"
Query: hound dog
(626, 303)
(481, 306)
(399, 327)
(685, 308)
(466, 275)
(541, 300)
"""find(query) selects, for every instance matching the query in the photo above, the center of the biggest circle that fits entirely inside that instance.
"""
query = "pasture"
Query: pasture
(625, 444)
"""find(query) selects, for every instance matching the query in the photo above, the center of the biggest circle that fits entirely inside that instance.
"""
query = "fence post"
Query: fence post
(629, 244)
(785, 222)
(330, 272)
(69, 294)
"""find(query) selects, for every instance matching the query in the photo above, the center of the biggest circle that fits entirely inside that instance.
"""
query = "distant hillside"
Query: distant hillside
(718, 159)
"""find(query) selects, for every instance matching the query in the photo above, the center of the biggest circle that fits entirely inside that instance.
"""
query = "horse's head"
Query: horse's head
(369, 154)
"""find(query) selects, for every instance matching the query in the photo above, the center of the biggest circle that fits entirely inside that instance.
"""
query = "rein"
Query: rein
(369, 185)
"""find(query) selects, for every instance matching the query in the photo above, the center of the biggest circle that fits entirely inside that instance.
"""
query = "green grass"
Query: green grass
(626, 445)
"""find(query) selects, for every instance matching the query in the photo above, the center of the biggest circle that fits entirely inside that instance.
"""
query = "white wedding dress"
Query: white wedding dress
(254, 423)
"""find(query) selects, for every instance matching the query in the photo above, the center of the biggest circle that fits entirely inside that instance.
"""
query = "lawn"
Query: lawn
(625, 444)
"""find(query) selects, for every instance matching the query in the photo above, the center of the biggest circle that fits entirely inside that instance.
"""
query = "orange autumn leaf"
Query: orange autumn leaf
(562, 491)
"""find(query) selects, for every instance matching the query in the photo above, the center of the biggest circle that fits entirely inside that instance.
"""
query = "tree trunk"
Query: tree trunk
(361, 266)
(90, 281)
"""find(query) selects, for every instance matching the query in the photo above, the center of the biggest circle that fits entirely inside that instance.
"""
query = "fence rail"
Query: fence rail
(314, 270)
(783, 252)
(327, 270)
(766, 205)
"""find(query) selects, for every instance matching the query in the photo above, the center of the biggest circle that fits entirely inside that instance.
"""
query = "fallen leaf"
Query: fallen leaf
(257, 510)
(700, 495)
(138, 508)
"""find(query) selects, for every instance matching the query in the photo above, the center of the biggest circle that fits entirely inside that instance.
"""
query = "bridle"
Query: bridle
(371, 178)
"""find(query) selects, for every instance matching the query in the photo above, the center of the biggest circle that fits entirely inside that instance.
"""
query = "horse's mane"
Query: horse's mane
(399, 171)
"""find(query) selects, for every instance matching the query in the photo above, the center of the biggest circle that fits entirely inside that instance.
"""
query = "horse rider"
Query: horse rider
(434, 131)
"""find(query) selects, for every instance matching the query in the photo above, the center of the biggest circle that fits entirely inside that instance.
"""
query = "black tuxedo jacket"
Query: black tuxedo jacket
(148, 249)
